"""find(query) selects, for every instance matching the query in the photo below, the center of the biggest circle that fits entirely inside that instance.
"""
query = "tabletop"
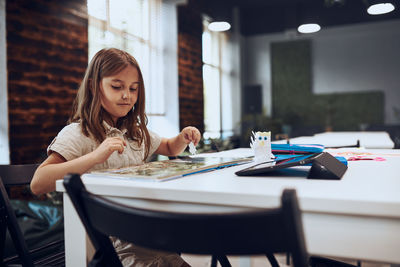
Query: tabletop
(364, 187)
(355, 217)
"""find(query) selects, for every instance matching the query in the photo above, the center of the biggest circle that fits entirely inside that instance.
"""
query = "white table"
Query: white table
(375, 140)
(356, 217)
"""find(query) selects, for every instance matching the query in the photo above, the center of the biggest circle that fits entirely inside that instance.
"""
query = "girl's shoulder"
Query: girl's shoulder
(71, 142)
(72, 127)
(73, 130)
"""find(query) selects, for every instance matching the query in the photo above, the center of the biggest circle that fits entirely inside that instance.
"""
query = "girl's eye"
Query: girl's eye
(116, 87)
(132, 89)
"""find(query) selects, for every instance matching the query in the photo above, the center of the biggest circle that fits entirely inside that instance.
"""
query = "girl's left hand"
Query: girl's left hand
(191, 134)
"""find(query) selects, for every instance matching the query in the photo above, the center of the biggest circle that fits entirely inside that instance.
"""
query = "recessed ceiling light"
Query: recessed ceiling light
(219, 26)
(309, 28)
(381, 8)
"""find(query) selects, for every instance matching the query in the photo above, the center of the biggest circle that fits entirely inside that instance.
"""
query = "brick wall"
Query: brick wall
(190, 29)
(47, 53)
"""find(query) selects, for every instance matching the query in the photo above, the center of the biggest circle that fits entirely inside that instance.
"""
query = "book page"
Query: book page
(169, 169)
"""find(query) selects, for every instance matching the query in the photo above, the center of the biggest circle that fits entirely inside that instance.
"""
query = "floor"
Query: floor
(255, 261)
(259, 261)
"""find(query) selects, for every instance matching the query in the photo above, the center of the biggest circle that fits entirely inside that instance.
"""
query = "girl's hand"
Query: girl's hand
(176, 145)
(107, 147)
(190, 134)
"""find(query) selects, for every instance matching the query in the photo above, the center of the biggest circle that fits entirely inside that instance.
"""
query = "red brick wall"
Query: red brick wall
(190, 29)
(47, 53)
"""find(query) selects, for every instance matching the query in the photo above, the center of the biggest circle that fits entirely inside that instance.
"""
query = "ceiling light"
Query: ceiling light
(219, 26)
(309, 28)
(381, 8)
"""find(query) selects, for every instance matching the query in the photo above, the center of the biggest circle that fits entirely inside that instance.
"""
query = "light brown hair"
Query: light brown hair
(87, 108)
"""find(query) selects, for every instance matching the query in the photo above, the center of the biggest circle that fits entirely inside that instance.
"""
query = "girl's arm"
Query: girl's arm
(176, 145)
(55, 167)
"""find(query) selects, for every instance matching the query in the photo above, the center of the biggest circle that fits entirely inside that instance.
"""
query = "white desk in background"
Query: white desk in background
(357, 217)
(337, 139)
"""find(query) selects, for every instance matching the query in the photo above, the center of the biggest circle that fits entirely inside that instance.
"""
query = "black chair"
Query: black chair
(247, 233)
(42, 253)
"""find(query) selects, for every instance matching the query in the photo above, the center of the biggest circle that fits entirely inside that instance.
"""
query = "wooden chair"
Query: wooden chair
(246, 233)
(11, 175)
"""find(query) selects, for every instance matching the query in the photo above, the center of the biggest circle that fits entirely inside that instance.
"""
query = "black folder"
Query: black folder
(323, 166)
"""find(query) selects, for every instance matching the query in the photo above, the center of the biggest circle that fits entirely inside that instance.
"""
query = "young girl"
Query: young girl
(108, 130)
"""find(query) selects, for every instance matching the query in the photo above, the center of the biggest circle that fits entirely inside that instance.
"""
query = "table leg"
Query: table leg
(75, 236)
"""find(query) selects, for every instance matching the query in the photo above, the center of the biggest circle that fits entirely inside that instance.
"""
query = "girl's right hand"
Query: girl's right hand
(107, 147)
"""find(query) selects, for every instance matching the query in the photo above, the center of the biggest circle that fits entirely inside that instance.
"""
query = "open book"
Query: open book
(170, 169)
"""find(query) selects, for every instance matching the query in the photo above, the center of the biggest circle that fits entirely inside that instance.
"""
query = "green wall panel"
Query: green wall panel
(295, 104)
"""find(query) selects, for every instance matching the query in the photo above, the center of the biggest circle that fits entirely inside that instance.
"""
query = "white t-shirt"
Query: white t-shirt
(71, 143)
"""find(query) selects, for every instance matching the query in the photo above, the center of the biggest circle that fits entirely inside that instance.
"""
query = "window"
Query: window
(217, 79)
(133, 26)
(4, 138)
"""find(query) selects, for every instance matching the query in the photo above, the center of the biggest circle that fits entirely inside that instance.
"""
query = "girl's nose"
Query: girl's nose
(125, 95)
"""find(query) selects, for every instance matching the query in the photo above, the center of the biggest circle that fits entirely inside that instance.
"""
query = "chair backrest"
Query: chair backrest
(49, 251)
(14, 175)
(245, 233)
(17, 174)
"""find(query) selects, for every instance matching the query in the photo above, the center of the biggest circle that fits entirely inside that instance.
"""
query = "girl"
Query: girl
(107, 129)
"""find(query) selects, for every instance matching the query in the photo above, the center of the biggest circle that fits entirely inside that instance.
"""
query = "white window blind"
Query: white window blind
(217, 81)
(133, 26)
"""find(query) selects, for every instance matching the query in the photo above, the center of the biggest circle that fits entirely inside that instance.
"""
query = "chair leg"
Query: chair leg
(223, 260)
(272, 260)
(214, 261)
(14, 230)
(3, 229)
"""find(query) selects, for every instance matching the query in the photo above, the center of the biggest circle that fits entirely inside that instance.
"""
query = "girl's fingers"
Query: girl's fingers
(186, 135)
(195, 136)
(116, 143)
(120, 147)
(191, 134)
(120, 140)
(117, 147)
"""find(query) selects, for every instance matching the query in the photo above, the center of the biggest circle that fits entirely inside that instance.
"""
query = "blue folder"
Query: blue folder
(294, 149)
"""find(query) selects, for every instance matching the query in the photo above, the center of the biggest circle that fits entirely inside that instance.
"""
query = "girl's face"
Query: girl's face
(120, 92)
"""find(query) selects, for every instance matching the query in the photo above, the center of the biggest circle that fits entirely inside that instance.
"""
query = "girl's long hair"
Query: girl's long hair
(87, 108)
